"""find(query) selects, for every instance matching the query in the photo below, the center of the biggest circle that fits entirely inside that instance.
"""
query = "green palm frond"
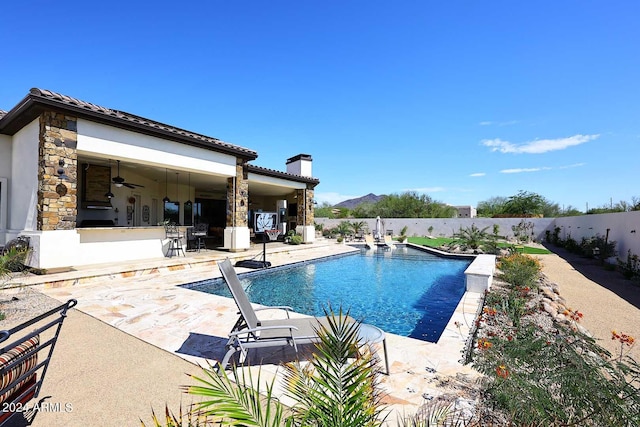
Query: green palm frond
(184, 419)
(338, 386)
(241, 404)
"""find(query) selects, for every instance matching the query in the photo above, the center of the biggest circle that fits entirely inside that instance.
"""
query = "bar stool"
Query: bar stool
(175, 240)
(200, 231)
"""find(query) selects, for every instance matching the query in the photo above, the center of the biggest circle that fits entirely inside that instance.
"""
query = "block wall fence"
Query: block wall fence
(624, 227)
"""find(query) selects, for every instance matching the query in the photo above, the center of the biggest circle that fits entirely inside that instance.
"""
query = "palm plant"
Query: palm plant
(358, 226)
(344, 228)
(11, 261)
(472, 237)
(338, 387)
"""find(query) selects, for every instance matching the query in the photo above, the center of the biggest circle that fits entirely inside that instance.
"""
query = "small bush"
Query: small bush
(606, 249)
(519, 270)
(630, 268)
(295, 240)
(13, 260)
(539, 372)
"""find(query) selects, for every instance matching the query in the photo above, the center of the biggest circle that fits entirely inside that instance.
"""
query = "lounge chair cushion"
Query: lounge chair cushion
(21, 368)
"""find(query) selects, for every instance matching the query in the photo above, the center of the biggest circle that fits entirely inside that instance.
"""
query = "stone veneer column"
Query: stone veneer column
(305, 216)
(57, 198)
(236, 233)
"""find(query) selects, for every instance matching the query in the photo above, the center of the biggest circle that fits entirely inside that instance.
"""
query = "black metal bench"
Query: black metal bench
(24, 359)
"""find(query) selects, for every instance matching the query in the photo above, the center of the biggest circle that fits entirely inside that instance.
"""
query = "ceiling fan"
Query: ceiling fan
(119, 181)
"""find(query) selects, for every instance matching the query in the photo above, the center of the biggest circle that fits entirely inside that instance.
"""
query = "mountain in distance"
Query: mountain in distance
(353, 203)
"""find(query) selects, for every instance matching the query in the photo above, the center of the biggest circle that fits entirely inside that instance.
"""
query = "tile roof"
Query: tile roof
(121, 119)
(38, 99)
(140, 120)
(278, 174)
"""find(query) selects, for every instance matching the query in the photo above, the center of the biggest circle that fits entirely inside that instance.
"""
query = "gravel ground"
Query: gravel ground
(607, 300)
(21, 304)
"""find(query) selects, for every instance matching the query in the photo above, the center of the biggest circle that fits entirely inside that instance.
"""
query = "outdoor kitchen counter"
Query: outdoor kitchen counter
(121, 243)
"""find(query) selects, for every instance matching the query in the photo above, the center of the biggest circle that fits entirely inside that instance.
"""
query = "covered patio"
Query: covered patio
(102, 183)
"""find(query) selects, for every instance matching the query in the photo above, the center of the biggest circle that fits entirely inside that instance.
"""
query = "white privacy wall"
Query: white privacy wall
(621, 227)
(445, 227)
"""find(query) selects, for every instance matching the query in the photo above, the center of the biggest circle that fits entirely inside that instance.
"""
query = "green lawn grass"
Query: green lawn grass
(428, 241)
(439, 241)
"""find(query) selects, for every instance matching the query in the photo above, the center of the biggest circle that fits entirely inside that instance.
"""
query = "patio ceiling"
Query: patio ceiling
(212, 184)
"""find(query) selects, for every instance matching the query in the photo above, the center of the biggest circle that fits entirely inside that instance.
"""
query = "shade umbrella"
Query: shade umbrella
(378, 231)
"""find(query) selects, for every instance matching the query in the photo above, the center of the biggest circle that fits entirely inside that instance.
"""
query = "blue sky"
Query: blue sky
(461, 100)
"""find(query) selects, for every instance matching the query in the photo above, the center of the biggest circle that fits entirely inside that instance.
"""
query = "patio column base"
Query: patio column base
(308, 233)
(237, 239)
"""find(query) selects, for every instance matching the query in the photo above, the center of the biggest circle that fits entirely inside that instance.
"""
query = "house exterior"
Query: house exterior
(89, 184)
(466, 212)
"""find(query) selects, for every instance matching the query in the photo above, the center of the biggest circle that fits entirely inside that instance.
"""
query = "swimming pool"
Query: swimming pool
(404, 291)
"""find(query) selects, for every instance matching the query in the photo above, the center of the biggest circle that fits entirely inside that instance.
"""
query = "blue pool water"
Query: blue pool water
(403, 291)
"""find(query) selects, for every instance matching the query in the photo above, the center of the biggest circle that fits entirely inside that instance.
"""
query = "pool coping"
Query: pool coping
(454, 327)
(155, 309)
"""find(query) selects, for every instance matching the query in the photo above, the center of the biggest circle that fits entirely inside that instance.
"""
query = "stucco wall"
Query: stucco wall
(620, 227)
(5, 156)
(5, 173)
(23, 184)
(110, 142)
(447, 226)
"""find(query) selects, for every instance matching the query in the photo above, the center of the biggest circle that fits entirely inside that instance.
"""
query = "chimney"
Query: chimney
(300, 165)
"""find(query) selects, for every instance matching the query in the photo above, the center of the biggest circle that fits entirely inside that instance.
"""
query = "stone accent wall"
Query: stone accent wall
(305, 218)
(309, 203)
(239, 211)
(57, 198)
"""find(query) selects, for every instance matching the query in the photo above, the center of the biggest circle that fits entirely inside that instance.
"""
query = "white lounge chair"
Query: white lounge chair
(388, 242)
(250, 332)
(368, 241)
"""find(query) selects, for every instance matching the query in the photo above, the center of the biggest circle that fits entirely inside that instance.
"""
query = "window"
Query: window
(188, 214)
(172, 212)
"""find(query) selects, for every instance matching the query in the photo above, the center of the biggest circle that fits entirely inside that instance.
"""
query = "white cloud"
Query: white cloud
(576, 165)
(478, 174)
(507, 123)
(537, 146)
(542, 168)
(520, 170)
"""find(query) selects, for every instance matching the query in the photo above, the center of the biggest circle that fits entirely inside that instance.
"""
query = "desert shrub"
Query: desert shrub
(523, 232)
(606, 249)
(630, 267)
(519, 270)
(571, 244)
(295, 239)
(557, 377)
(539, 372)
(14, 256)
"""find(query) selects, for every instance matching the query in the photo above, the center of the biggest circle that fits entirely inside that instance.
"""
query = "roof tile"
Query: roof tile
(64, 99)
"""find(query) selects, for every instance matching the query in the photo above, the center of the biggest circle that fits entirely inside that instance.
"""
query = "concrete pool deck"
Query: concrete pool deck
(141, 304)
